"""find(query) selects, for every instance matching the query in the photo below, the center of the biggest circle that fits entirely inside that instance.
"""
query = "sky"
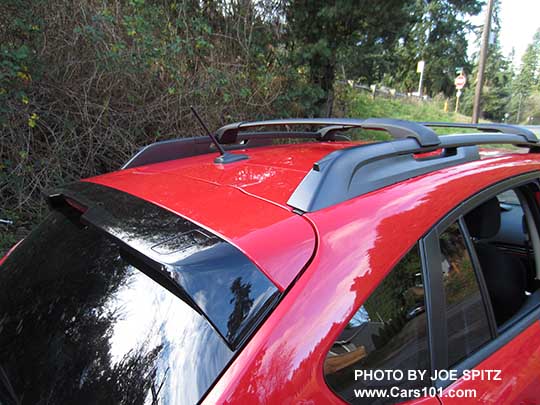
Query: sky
(519, 21)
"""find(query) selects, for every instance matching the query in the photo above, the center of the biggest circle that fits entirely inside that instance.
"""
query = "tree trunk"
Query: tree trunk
(323, 76)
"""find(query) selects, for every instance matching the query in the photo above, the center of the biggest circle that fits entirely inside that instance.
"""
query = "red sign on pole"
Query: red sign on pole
(460, 81)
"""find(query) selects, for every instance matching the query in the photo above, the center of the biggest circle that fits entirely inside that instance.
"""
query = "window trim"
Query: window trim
(439, 347)
(434, 300)
(498, 342)
(437, 323)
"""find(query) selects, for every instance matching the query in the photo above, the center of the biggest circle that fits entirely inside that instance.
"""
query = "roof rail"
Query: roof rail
(185, 147)
(398, 129)
(487, 127)
(351, 172)
(232, 136)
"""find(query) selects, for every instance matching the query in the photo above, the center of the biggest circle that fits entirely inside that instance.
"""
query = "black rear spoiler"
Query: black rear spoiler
(212, 276)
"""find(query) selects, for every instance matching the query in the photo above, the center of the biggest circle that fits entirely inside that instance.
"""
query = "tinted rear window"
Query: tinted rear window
(80, 322)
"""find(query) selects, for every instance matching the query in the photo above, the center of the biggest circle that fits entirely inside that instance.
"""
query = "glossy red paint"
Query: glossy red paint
(249, 223)
(520, 379)
(359, 242)
(243, 202)
(255, 190)
(2, 260)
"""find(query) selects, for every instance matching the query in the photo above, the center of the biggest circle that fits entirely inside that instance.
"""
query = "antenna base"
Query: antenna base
(230, 158)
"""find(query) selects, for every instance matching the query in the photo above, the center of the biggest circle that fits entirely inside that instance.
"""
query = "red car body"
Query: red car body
(327, 262)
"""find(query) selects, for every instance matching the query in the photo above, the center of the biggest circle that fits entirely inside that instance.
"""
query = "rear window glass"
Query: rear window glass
(80, 322)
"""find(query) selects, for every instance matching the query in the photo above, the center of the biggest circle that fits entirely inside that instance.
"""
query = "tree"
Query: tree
(499, 75)
(320, 31)
(243, 302)
(438, 36)
(497, 84)
(527, 80)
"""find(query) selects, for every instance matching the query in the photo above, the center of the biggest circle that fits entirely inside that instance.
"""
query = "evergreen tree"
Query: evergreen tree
(527, 81)
(438, 36)
(320, 32)
(498, 78)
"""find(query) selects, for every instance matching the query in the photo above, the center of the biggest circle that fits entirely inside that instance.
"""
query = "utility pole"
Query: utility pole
(420, 69)
(482, 62)
(519, 108)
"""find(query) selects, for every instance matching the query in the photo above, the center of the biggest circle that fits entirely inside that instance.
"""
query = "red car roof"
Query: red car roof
(361, 241)
(244, 202)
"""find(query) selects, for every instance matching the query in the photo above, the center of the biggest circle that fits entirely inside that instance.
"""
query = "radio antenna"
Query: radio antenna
(224, 156)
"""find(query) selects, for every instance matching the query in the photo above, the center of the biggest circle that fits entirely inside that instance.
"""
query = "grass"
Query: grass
(361, 105)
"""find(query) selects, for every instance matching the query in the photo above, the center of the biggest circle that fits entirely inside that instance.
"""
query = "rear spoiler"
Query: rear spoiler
(208, 273)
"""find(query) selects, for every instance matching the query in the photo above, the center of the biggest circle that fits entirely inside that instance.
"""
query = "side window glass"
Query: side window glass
(389, 332)
(467, 322)
(508, 197)
(506, 240)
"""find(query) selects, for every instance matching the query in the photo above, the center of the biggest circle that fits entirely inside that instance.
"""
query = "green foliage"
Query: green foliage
(497, 89)
(8, 231)
(506, 96)
(528, 78)
(83, 84)
(323, 35)
(7, 240)
(524, 105)
(362, 105)
(20, 30)
(498, 79)
(530, 109)
(439, 37)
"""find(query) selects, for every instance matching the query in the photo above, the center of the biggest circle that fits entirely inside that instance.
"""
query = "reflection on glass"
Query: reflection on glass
(196, 262)
(388, 332)
(466, 317)
(80, 325)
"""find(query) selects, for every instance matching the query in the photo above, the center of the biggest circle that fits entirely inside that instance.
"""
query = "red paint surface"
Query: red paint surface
(243, 202)
(9, 252)
(359, 242)
(519, 362)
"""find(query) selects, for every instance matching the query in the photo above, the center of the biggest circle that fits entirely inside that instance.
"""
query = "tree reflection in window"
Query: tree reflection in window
(80, 325)
(242, 305)
(467, 322)
(388, 332)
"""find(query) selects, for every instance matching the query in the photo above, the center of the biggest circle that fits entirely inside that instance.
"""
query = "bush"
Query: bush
(83, 84)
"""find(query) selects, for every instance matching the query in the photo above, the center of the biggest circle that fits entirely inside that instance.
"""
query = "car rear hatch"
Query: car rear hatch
(113, 299)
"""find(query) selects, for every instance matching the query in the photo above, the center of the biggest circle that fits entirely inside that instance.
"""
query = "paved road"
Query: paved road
(534, 128)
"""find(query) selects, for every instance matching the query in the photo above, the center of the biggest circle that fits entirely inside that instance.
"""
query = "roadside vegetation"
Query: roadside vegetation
(363, 105)
(85, 83)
